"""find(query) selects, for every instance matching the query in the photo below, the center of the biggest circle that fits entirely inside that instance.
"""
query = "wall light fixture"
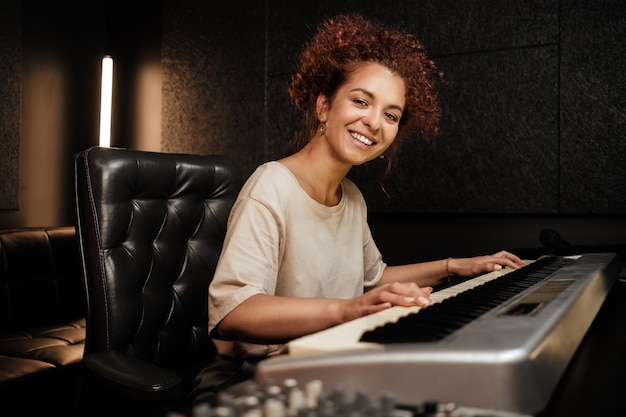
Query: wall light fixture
(106, 100)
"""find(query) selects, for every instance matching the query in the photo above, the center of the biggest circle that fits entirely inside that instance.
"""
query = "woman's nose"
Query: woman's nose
(372, 120)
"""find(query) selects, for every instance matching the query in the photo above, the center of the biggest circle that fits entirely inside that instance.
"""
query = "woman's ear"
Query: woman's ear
(321, 107)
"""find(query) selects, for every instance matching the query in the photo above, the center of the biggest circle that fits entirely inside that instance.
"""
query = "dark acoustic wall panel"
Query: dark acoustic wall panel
(10, 79)
(593, 107)
(499, 141)
(213, 79)
(499, 147)
(532, 105)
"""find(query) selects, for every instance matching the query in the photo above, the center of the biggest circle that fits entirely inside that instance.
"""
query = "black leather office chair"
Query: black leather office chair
(150, 228)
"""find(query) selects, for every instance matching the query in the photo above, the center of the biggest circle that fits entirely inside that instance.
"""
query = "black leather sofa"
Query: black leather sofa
(42, 319)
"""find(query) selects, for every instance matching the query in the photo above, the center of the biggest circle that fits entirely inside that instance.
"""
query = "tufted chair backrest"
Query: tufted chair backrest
(151, 227)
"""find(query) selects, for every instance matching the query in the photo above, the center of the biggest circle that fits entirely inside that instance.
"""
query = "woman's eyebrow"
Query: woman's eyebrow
(372, 96)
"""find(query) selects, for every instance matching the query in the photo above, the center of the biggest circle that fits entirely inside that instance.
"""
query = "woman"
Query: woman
(298, 255)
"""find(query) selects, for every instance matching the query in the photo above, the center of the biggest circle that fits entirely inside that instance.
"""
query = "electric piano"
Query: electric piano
(498, 343)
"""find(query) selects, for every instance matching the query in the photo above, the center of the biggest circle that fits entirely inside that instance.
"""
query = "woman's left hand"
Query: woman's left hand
(467, 267)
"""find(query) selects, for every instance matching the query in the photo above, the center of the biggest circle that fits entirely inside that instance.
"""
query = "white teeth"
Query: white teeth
(361, 138)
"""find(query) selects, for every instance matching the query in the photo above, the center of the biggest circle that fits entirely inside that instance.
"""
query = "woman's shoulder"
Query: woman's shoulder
(269, 172)
(268, 178)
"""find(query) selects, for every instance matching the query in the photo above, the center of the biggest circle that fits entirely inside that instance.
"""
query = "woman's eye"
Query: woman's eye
(392, 117)
(360, 102)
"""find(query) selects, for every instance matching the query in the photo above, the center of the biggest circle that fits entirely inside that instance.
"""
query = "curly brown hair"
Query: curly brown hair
(340, 45)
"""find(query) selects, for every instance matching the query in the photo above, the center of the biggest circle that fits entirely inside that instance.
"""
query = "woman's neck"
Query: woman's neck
(318, 174)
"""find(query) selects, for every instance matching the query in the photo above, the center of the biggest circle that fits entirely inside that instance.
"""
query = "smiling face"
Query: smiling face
(363, 117)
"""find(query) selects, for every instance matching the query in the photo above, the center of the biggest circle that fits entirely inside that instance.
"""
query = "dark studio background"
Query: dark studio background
(532, 134)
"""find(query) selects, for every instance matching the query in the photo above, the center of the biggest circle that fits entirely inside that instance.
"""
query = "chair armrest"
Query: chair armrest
(132, 377)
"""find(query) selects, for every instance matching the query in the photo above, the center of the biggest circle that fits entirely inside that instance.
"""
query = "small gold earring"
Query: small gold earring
(322, 127)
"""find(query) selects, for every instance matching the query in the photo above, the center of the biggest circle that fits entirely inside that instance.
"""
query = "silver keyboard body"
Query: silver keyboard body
(510, 359)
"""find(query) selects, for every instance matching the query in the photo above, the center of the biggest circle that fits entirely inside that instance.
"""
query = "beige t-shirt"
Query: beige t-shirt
(280, 241)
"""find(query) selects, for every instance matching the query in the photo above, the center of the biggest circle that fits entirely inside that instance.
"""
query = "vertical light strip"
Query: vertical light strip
(106, 101)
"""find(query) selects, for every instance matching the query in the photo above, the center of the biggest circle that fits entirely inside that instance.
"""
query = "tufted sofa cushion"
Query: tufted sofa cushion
(23, 353)
(42, 314)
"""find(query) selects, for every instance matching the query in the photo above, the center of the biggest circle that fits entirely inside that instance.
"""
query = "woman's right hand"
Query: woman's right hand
(406, 294)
